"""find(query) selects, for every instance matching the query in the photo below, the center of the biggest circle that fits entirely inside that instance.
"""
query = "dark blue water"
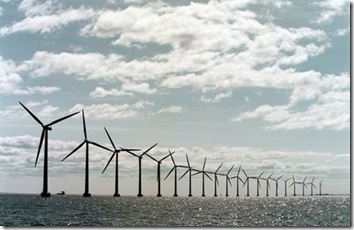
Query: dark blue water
(75, 210)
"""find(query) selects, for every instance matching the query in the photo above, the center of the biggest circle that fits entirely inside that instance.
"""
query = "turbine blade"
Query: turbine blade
(260, 175)
(110, 159)
(259, 183)
(39, 147)
(268, 184)
(148, 149)
(169, 172)
(79, 146)
(217, 181)
(123, 149)
(245, 181)
(188, 161)
(239, 169)
(173, 160)
(167, 156)
(270, 176)
(238, 178)
(245, 173)
(304, 179)
(228, 180)
(110, 139)
(196, 173)
(204, 163)
(32, 115)
(132, 153)
(84, 124)
(292, 184)
(293, 178)
(313, 179)
(208, 176)
(100, 146)
(184, 174)
(279, 177)
(151, 157)
(61, 119)
(230, 170)
(219, 168)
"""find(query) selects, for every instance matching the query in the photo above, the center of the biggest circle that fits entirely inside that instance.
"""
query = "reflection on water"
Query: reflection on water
(75, 210)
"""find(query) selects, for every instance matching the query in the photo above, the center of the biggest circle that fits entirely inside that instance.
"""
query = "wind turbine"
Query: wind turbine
(285, 181)
(140, 158)
(258, 183)
(44, 137)
(267, 183)
(320, 188)
(238, 178)
(203, 174)
(312, 185)
(87, 143)
(228, 181)
(248, 183)
(115, 153)
(159, 162)
(276, 184)
(189, 169)
(216, 181)
(294, 184)
(303, 186)
(174, 168)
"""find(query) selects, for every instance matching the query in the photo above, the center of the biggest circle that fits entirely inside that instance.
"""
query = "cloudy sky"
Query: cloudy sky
(259, 83)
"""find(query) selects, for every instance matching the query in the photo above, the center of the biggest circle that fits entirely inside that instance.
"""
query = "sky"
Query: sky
(261, 84)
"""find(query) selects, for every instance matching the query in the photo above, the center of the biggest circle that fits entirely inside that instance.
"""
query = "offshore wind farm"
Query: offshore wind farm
(175, 113)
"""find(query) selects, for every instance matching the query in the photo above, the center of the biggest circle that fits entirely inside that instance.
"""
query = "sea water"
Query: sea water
(75, 210)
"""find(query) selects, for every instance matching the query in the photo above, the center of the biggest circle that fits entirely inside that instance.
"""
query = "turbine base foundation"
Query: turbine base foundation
(116, 195)
(175, 195)
(159, 195)
(47, 194)
(87, 194)
(140, 195)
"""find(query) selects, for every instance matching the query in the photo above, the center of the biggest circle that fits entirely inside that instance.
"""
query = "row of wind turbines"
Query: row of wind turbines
(192, 171)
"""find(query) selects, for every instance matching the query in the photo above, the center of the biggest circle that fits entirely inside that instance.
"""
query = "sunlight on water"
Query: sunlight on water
(72, 210)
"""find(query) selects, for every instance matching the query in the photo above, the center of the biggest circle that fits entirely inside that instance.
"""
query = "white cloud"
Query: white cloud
(143, 88)
(47, 23)
(217, 97)
(331, 9)
(330, 107)
(11, 81)
(108, 111)
(33, 8)
(9, 78)
(100, 92)
(171, 109)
